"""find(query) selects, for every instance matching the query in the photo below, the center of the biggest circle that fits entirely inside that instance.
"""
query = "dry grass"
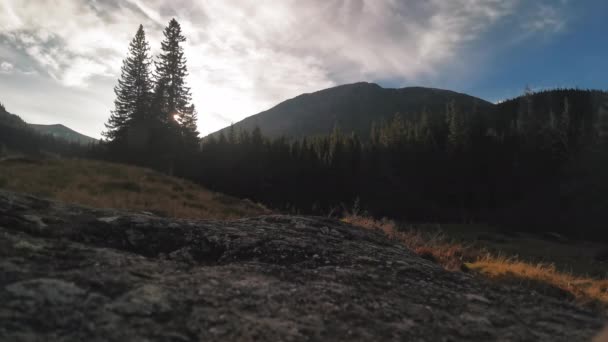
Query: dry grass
(433, 246)
(454, 256)
(542, 277)
(106, 185)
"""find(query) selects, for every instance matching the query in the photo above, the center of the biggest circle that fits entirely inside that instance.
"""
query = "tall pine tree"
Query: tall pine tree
(172, 99)
(171, 73)
(133, 92)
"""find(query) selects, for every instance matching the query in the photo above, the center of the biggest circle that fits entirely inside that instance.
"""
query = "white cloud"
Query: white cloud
(247, 56)
(6, 68)
(546, 18)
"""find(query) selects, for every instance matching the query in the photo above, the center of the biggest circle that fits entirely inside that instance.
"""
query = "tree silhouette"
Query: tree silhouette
(133, 94)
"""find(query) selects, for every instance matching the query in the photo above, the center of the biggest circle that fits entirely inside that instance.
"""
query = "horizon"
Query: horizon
(246, 59)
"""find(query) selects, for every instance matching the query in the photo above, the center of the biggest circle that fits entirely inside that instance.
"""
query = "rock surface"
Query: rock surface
(69, 273)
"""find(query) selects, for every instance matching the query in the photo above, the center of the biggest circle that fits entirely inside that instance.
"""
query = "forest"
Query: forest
(537, 161)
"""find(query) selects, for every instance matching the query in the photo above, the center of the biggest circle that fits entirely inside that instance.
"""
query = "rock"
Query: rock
(478, 298)
(104, 275)
(108, 219)
(144, 301)
(47, 291)
(36, 220)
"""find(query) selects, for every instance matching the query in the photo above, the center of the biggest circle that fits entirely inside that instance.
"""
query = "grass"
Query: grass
(456, 255)
(544, 278)
(106, 185)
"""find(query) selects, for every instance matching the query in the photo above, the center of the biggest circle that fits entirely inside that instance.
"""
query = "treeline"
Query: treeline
(534, 160)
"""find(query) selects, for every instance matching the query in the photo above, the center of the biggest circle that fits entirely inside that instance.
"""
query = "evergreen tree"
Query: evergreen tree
(458, 129)
(133, 91)
(178, 136)
(232, 137)
(171, 72)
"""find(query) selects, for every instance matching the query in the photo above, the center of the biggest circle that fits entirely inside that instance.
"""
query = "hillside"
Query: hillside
(18, 126)
(63, 132)
(352, 107)
(17, 137)
(106, 185)
(94, 274)
(11, 120)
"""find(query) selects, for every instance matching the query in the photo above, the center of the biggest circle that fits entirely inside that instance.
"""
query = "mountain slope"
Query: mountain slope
(19, 137)
(107, 185)
(11, 120)
(352, 107)
(63, 132)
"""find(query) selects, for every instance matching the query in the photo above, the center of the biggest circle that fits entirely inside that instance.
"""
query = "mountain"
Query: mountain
(59, 131)
(63, 132)
(352, 108)
(11, 120)
(17, 137)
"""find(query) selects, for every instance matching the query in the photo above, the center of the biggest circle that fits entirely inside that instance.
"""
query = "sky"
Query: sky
(60, 59)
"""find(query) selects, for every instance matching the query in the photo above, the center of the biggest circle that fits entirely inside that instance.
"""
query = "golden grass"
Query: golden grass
(106, 185)
(454, 256)
(543, 278)
(429, 245)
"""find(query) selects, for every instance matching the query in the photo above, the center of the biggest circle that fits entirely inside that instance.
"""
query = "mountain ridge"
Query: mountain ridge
(56, 130)
(351, 107)
(63, 132)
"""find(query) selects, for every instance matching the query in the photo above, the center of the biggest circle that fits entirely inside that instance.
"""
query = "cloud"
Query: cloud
(6, 68)
(247, 56)
(546, 18)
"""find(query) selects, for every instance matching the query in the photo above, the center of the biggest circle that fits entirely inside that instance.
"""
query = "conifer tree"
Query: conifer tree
(178, 136)
(171, 72)
(188, 127)
(456, 127)
(133, 91)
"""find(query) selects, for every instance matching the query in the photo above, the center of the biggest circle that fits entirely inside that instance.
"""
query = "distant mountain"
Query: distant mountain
(352, 108)
(58, 131)
(63, 132)
(18, 138)
(9, 119)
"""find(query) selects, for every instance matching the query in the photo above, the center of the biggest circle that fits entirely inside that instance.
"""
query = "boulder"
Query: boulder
(69, 273)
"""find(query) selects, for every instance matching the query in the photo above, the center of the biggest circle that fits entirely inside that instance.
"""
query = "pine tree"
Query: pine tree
(188, 127)
(133, 91)
(171, 72)
(178, 136)
(172, 96)
(232, 137)
(458, 129)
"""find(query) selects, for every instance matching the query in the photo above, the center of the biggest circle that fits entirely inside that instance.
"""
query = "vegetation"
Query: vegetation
(105, 185)
(465, 255)
(17, 138)
(353, 108)
(153, 122)
(538, 163)
(61, 132)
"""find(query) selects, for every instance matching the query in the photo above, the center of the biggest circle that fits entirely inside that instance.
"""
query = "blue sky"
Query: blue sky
(59, 59)
(575, 56)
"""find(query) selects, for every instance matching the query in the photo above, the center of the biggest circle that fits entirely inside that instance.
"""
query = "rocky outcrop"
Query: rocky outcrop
(69, 273)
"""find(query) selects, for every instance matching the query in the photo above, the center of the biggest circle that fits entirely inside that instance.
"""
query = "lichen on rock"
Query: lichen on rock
(92, 274)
